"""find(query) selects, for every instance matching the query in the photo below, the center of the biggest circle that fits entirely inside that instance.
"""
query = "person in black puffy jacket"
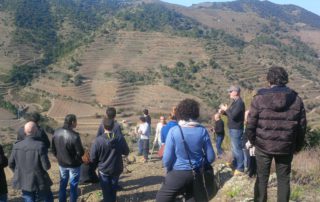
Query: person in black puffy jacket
(276, 128)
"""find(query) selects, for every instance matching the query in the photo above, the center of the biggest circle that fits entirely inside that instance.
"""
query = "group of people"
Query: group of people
(30, 163)
(275, 128)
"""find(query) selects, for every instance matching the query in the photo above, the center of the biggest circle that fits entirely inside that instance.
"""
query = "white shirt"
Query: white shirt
(144, 131)
(157, 136)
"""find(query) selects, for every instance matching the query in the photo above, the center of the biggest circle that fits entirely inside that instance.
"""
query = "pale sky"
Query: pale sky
(311, 5)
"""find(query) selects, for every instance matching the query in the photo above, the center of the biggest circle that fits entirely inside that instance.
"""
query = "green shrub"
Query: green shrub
(234, 191)
(7, 105)
(312, 138)
(46, 104)
(78, 80)
(296, 193)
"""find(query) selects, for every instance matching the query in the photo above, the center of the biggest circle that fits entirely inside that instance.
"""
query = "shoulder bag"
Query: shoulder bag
(204, 184)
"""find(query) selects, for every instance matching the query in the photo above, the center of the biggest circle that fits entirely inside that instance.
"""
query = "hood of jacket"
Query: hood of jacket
(280, 98)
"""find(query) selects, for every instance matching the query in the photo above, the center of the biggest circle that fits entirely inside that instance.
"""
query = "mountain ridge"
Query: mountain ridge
(229, 34)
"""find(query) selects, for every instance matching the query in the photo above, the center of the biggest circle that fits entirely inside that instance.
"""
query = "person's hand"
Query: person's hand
(223, 107)
(248, 145)
(252, 151)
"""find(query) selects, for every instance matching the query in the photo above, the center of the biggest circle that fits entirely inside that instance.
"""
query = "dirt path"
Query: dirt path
(140, 182)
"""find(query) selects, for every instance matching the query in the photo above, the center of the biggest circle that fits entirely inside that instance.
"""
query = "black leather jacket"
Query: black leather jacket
(67, 147)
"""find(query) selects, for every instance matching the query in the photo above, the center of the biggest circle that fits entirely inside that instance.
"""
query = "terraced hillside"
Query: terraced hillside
(101, 62)
(120, 66)
(247, 20)
(8, 126)
(7, 57)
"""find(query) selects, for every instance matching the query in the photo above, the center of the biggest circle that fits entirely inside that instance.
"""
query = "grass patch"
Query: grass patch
(233, 192)
(296, 193)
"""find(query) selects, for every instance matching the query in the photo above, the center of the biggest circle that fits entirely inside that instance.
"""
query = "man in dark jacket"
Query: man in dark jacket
(3, 181)
(235, 114)
(111, 113)
(148, 117)
(106, 152)
(40, 135)
(67, 147)
(276, 128)
(29, 161)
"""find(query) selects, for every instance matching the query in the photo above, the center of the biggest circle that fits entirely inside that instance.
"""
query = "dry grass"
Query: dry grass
(306, 166)
(243, 25)
(310, 37)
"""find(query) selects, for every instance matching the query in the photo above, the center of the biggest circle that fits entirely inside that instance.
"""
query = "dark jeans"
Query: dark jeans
(140, 147)
(108, 186)
(145, 147)
(176, 182)
(283, 170)
(219, 141)
(246, 158)
(37, 196)
(3, 198)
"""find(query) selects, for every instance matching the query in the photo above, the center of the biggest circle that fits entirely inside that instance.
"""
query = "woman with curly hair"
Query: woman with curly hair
(179, 178)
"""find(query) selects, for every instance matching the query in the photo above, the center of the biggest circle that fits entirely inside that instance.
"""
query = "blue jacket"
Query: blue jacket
(198, 141)
(165, 129)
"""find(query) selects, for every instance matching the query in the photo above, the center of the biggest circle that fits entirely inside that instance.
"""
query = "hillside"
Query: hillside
(80, 56)
(128, 46)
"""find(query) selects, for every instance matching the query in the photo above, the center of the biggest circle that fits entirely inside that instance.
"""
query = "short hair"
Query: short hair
(143, 119)
(277, 76)
(34, 117)
(69, 120)
(30, 128)
(111, 112)
(146, 111)
(188, 109)
(108, 123)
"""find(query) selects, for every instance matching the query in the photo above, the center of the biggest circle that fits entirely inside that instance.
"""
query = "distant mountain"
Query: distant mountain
(290, 14)
(85, 46)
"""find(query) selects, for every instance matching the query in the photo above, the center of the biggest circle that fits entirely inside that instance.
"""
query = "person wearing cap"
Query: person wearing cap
(276, 128)
(235, 113)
